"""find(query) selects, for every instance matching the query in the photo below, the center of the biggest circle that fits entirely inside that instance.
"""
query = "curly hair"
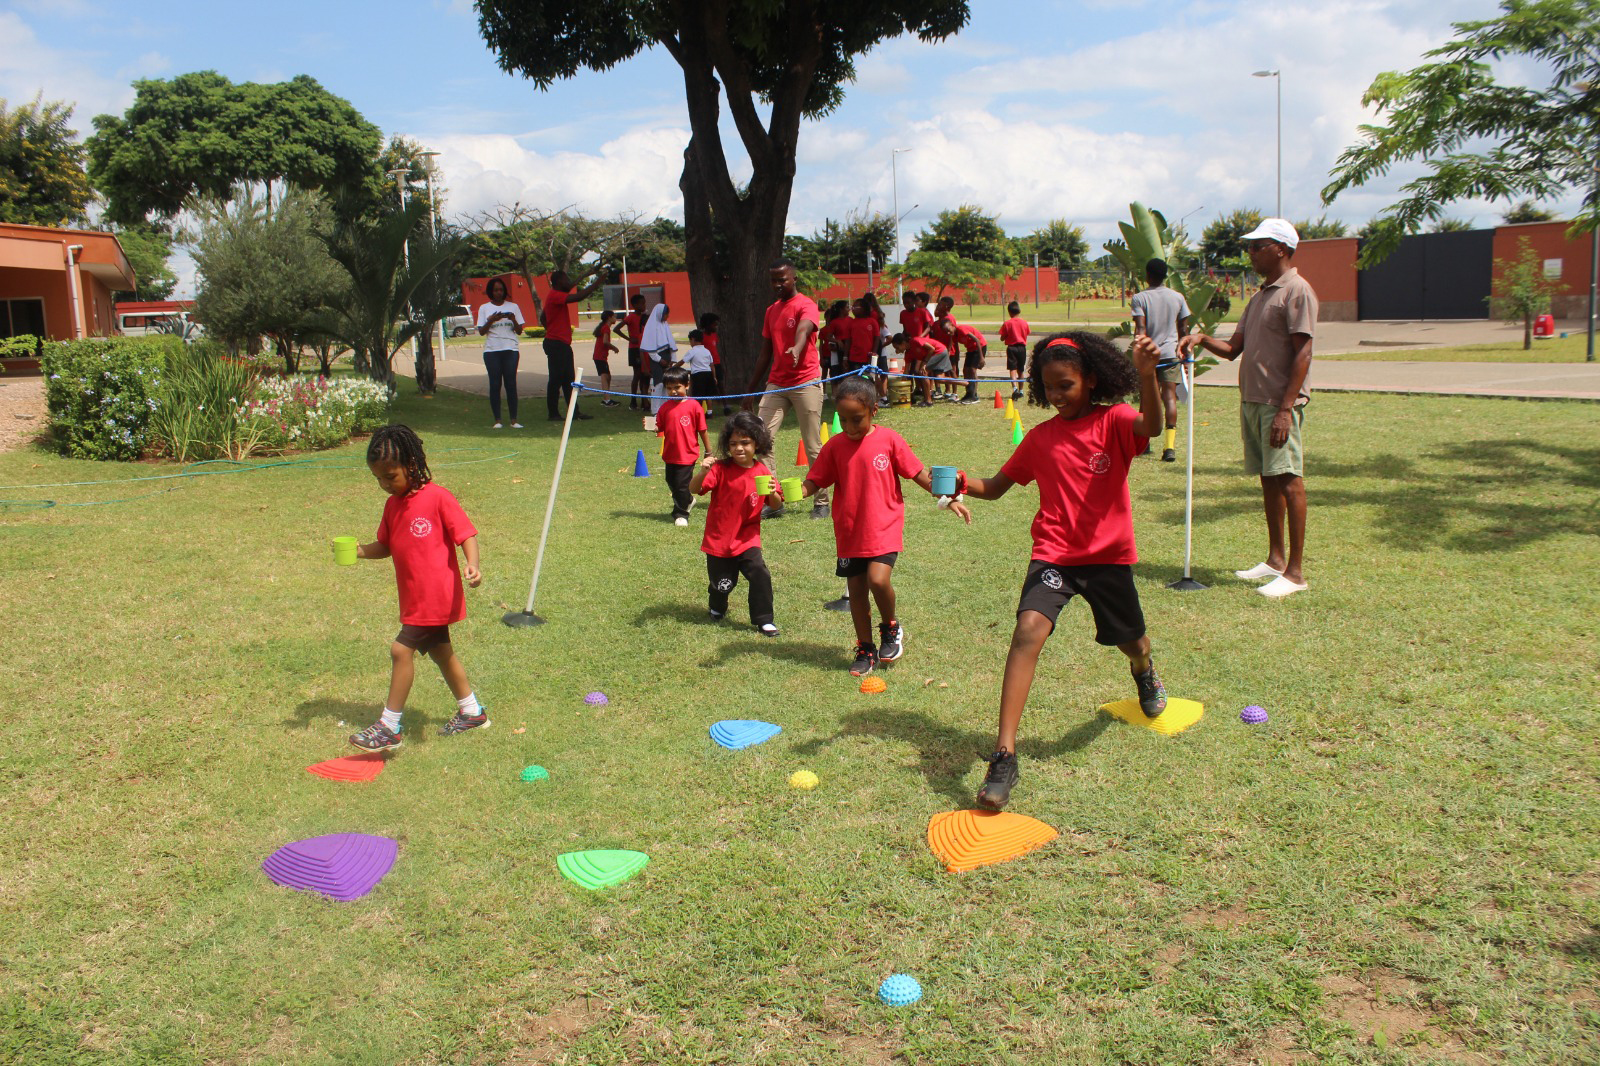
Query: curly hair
(745, 424)
(1114, 374)
(400, 444)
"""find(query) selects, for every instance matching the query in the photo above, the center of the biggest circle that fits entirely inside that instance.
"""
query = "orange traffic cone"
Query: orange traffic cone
(800, 456)
(998, 404)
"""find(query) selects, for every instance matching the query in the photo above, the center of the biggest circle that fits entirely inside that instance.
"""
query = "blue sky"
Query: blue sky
(1036, 110)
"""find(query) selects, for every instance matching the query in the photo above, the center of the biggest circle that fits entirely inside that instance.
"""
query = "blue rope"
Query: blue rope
(743, 395)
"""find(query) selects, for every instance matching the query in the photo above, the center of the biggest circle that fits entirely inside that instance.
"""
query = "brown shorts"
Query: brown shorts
(422, 638)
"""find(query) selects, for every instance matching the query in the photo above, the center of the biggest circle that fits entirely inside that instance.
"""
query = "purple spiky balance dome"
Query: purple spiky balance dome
(596, 699)
(343, 866)
(1253, 715)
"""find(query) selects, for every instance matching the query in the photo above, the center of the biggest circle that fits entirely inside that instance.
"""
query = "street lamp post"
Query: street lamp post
(1278, 76)
(433, 205)
(399, 176)
(894, 179)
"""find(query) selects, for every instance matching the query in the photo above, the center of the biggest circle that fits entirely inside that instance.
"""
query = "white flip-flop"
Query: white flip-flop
(1258, 572)
(1280, 586)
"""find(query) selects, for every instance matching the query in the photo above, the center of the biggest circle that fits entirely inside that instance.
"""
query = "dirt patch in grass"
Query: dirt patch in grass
(1219, 917)
(545, 1038)
(22, 412)
(1384, 1009)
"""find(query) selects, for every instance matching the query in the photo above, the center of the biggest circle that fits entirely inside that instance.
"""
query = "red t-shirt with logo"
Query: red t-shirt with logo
(1082, 468)
(1014, 331)
(733, 521)
(863, 338)
(558, 316)
(710, 341)
(631, 321)
(945, 329)
(782, 322)
(912, 323)
(602, 344)
(971, 338)
(869, 513)
(680, 422)
(422, 530)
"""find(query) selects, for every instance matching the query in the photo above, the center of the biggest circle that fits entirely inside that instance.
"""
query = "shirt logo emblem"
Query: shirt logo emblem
(1099, 462)
(683, 420)
(1051, 579)
(755, 498)
(724, 584)
(421, 527)
(881, 462)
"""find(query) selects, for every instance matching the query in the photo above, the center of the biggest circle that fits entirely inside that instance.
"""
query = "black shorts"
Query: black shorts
(1017, 357)
(858, 567)
(1108, 588)
(633, 356)
(422, 638)
(602, 366)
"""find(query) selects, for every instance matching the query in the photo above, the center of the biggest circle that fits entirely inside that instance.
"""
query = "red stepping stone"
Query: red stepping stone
(350, 767)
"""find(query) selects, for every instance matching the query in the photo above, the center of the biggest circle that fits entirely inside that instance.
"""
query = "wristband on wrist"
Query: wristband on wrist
(961, 482)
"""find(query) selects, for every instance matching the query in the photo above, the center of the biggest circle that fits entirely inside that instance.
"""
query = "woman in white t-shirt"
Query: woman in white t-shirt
(499, 322)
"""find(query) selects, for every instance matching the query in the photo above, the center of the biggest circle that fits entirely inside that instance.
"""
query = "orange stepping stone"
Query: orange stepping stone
(1179, 715)
(874, 684)
(965, 840)
(350, 768)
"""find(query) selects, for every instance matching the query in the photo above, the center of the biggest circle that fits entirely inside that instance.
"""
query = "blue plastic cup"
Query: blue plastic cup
(944, 480)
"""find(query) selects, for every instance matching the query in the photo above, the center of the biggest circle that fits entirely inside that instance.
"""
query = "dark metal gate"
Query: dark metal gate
(1431, 275)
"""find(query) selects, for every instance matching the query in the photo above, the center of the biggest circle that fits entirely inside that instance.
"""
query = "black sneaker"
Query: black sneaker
(999, 781)
(967, 401)
(891, 642)
(1152, 693)
(376, 737)
(1169, 456)
(769, 513)
(1016, 394)
(866, 659)
(463, 722)
(609, 403)
(716, 616)
(820, 511)
(922, 403)
(581, 417)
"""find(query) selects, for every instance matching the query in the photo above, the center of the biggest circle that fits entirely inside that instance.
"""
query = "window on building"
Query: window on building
(21, 316)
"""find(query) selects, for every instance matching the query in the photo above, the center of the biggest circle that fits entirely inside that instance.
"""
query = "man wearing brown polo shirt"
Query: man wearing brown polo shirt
(1274, 337)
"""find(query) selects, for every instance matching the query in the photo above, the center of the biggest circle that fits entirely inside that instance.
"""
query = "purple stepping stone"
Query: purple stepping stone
(596, 699)
(1253, 715)
(344, 866)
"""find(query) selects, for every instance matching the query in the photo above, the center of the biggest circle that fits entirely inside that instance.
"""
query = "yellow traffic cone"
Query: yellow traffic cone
(825, 433)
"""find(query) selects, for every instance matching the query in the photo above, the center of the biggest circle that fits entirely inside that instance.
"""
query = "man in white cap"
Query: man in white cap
(1274, 337)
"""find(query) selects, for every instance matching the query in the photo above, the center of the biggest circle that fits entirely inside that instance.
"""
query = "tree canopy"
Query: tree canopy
(1527, 211)
(971, 233)
(1057, 243)
(148, 248)
(42, 180)
(796, 58)
(202, 134)
(1541, 140)
(1221, 240)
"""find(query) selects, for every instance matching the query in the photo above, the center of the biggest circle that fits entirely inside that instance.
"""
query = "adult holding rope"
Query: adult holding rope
(789, 358)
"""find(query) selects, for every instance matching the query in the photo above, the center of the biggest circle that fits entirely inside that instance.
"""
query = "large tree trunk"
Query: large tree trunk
(426, 376)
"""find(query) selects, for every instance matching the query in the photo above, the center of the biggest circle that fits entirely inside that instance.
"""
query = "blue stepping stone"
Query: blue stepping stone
(736, 733)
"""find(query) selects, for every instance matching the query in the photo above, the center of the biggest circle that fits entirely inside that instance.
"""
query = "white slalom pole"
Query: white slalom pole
(525, 617)
(1187, 583)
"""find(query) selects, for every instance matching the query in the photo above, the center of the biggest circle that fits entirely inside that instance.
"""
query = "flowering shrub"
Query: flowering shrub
(100, 393)
(308, 412)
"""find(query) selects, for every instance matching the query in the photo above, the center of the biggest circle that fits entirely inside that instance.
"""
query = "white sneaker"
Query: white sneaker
(1258, 572)
(498, 426)
(680, 521)
(1280, 586)
(516, 425)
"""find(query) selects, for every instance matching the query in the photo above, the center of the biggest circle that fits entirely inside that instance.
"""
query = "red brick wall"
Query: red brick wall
(1330, 267)
(1549, 241)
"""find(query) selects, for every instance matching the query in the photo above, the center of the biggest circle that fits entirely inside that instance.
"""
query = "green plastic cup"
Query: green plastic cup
(344, 550)
(764, 484)
(794, 489)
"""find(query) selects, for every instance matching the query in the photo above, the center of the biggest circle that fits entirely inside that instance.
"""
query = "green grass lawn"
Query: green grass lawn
(1572, 348)
(1400, 867)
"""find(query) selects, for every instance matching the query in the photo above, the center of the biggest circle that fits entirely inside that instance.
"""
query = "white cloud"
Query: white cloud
(29, 66)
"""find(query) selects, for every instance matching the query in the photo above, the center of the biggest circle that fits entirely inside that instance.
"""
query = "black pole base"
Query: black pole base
(840, 604)
(1187, 584)
(522, 620)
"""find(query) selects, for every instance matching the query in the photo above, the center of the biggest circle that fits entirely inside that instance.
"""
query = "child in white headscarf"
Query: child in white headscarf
(659, 348)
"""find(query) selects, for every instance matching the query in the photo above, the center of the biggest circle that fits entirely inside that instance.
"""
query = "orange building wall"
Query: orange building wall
(1550, 241)
(1330, 267)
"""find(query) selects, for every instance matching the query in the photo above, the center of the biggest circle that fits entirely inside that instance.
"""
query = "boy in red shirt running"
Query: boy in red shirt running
(1014, 335)
(679, 420)
(421, 527)
(1083, 533)
(733, 521)
(865, 463)
(632, 329)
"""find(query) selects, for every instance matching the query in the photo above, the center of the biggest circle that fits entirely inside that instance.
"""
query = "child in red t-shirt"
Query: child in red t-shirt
(679, 421)
(926, 359)
(708, 328)
(1014, 335)
(947, 331)
(632, 328)
(733, 521)
(421, 527)
(1083, 534)
(602, 353)
(866, 463)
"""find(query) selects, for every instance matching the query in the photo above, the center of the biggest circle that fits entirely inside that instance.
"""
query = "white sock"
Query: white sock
(470, 705)
(391, 720)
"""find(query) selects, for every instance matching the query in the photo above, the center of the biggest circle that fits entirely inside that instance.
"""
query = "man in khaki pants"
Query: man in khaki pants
(789, 357)
(1274, 338)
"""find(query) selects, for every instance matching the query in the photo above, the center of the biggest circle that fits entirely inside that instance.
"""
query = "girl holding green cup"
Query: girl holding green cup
(740, 486)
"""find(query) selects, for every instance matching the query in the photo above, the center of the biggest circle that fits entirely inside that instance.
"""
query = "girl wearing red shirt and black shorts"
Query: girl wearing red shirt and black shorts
(1083, 533)
(865, 463)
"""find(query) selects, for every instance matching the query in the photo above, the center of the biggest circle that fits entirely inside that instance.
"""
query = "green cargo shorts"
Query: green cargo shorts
(1255, 429)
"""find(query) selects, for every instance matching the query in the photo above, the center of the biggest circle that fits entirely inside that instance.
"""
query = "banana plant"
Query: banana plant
(1149, 237)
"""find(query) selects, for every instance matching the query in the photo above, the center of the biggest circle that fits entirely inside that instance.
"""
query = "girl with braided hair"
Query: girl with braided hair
(421, 527)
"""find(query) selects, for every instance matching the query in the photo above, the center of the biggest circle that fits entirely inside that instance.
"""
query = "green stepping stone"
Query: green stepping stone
(536, 773)
(600, 869)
